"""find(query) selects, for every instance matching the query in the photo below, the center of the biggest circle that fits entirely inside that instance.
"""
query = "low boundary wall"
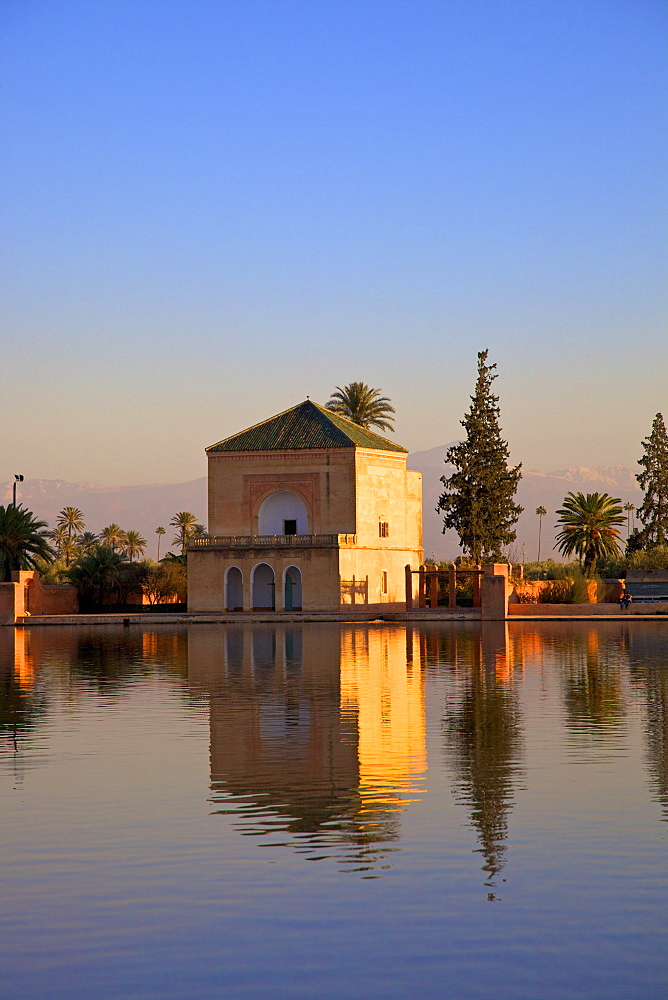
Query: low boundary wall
(26, 595)
(584, 610)
(57, 606)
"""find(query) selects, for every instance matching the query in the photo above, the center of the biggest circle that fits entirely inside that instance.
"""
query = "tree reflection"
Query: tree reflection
(110, 659)
(648, 652)
(593, 692)
(657, 734)
(484, 744)
(104, 659)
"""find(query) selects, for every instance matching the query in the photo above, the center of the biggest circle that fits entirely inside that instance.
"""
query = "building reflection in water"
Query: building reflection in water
(483, 740)
(317, 734)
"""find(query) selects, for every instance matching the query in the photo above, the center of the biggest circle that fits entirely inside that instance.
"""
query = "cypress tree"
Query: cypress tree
(478, 501)
(653, 482)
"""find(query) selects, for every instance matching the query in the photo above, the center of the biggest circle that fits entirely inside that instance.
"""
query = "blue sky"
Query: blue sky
(213, 209)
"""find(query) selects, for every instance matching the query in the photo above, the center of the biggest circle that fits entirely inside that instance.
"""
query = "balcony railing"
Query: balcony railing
(271, 541)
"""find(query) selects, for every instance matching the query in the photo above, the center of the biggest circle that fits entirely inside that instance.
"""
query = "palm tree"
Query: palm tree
(112, 536)
(589, 527)
(87, 541)
(96, 575)
(363, 405)
(72, 519)
(59, 537)
(23, 540)
(541, 514)
(185, 523)
(171, 557)
(160, 531)
(134, 544)
(68, 550)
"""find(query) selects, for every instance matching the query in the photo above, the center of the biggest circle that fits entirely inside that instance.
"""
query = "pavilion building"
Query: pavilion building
(307, 511)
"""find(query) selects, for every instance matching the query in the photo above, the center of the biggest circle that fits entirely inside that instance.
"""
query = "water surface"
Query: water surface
(374, 811)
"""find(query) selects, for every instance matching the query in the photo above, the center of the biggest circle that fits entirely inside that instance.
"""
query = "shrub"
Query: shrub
(570, 586)
(656, 558)
(54, 572)
(526, 596)
(557, 592)
(163, 580)
(549, 569)
(580, 589)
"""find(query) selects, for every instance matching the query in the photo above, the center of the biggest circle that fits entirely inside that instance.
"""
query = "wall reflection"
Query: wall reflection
(382, 694)
(23, 702)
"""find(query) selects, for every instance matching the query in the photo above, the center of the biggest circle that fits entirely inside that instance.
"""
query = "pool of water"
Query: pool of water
(335, 811)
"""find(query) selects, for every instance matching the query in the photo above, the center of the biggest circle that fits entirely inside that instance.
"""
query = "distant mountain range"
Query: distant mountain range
(142, 508)
(536, 489)
(145, 507)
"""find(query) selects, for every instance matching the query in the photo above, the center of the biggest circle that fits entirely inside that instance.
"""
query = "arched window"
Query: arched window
(234, 589)
(293, 589)
(263, 586)
(283, 513)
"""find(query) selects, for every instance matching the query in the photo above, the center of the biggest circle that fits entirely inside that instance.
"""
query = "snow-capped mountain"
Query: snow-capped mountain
(145, 507)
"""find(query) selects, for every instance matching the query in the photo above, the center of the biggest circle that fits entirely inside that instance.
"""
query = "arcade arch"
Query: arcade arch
(234, 589)
(263, 587)
(292, 588)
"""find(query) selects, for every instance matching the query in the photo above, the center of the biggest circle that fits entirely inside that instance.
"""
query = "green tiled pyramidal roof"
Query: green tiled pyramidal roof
(305, 426)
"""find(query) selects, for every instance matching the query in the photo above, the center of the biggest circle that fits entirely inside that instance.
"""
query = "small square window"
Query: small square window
(289, 527)
(383, 529)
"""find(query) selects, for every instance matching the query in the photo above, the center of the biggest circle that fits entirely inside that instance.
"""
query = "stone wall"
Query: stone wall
(345, 491)
(583, 610)
(494, 592)
(27, 595)
(324, 480)
(528, 592)
(318, 567)
(387, 494)
(9, 603)
(370, 565)
(332, 576)
(359, 492)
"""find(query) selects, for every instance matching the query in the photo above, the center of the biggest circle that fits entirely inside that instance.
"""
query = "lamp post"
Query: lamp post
(17, 479)
(541, 513)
